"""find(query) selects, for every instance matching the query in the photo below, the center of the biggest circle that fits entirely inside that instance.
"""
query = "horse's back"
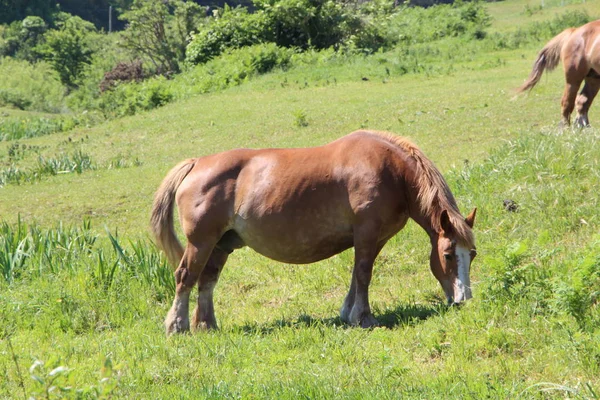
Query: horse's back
(583, 47)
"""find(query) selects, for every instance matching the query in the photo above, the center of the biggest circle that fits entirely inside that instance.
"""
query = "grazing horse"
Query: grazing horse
(304, 205)
(579, 51)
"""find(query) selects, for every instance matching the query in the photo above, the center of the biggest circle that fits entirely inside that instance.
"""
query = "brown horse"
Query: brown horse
(304, 205)
(579, 50)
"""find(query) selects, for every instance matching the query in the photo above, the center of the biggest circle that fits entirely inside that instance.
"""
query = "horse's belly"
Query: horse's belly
(293, 244)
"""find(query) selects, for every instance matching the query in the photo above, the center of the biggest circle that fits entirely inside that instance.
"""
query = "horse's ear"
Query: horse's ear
(470, 220)
(445, 223)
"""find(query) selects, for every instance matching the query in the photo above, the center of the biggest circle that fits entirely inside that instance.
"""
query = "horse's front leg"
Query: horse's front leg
(356, 309)
(191, 266)
(204, 314)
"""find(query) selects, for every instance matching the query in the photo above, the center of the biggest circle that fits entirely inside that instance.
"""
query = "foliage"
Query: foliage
(160, 34)
(29, 251)
(19, 39)
(122, 72)
(318, 24)
(95, 11)
(106, 55)
(130, 98)
(231, 28)
(234, 67)
(539, 31)
(14, 10)
(231, 69)
(30, 87)
(77, 162)
(67, 48)
(19, 128)
(422, 25)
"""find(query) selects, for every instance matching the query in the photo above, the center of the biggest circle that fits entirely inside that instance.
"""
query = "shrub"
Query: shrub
(422, 25)
(309, 23)
(30, 87)
(233, 68)
(122, 72)
(130, 98)
(230, 28)
(303, 24)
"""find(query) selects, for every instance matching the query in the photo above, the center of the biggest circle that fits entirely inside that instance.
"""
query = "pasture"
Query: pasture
(84, 291)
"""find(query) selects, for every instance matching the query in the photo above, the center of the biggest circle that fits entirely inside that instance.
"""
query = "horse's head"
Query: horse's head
(451, 257)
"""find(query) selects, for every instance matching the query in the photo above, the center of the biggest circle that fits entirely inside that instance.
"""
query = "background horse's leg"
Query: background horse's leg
(191, 266)
(356, 309)
(204, 314)
(568, 100)
(584, 100)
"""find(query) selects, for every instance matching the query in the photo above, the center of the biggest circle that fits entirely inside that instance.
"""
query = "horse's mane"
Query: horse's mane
(434, 193)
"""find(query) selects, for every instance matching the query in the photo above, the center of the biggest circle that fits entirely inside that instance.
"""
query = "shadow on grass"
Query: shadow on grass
(402, 315)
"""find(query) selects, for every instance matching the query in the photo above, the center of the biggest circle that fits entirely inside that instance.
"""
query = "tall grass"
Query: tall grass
(30, 252)
(21, 128)
(77, 162)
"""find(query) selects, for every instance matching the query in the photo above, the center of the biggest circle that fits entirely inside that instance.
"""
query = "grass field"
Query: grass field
(85, 292)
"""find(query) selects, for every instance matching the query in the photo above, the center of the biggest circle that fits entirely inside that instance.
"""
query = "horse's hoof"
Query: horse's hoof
(369, 321)
(178, 325)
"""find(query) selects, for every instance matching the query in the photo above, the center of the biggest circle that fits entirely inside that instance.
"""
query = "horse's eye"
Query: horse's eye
(473, 253)
(448, 257)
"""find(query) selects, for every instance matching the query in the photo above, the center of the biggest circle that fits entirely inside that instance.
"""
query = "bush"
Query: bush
(422, 25)
(318, 24)
(233, 68)
(303, 24)
(231, 28)
(122, 72)
(30, 87)
(130, 98)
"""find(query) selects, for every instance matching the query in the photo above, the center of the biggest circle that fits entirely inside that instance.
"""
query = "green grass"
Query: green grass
(90, 296)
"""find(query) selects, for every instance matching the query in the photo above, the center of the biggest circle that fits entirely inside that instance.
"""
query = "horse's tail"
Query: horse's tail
(161, 221)
(548, 58)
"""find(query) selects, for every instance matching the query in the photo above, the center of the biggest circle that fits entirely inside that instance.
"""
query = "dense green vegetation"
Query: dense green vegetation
(83, 290)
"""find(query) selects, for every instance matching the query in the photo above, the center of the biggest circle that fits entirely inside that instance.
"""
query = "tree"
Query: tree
(67, 48)
(20, 38)
(158, 31)
(16, 10)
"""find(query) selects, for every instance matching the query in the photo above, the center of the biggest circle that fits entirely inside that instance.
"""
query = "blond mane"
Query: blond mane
(434, 194)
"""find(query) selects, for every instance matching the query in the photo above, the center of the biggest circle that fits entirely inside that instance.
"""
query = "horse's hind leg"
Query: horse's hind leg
(204, 314)
(192, 263)
(585, 99)
(568, 101)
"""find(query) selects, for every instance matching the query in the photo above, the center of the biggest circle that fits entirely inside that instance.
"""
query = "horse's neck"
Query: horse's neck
(429, 222)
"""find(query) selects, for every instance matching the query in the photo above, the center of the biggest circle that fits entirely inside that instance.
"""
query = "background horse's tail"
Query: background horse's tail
(161, 221)
(547, 59)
